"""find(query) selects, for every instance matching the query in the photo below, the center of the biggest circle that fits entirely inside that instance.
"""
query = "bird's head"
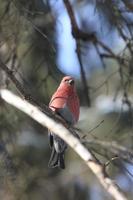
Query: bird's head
(67, 82)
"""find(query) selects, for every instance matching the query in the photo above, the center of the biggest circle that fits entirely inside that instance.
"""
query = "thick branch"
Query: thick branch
(66, 135)
(43, 116)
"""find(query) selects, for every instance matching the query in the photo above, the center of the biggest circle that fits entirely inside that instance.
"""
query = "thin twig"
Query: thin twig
(112, 147)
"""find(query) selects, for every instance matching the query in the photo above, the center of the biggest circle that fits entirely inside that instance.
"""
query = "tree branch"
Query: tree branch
(77, 35)
(66, 135)
(47, 119)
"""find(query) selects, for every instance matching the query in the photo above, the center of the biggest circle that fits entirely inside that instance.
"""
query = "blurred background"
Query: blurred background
(38, 43)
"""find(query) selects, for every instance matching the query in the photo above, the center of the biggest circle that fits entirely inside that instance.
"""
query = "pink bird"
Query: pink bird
(65, 103)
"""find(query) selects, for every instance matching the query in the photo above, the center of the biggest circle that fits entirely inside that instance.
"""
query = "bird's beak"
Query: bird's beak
(71, 81)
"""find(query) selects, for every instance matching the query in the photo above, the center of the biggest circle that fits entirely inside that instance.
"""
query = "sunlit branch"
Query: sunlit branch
(43, 116)
(59, 129)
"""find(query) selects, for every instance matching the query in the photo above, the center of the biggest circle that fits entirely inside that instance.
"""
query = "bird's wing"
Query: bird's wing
(73, 105)
(66, 106)
(66, 114)
(58, 101)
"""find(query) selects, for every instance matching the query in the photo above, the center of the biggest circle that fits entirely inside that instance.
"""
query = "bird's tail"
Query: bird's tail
(56, 159)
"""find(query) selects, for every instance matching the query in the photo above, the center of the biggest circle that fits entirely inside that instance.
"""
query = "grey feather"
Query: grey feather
(56, 143)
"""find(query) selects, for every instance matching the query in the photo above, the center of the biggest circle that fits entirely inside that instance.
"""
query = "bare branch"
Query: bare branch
(76, 32)
(58, 128)
(45, 117)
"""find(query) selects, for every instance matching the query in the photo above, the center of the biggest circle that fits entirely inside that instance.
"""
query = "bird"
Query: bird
(64, 103)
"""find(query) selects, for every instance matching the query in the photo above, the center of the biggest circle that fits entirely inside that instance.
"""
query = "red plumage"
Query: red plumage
(66, 96)
(64, 102)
